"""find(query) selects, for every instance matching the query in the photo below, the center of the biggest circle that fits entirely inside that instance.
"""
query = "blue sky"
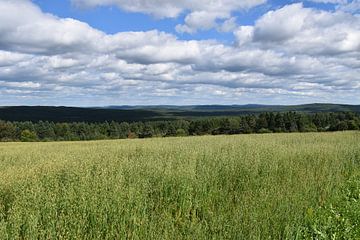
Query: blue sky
(95, 53)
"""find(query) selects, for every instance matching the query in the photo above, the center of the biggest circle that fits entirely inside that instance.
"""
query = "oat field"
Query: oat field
(270, 186)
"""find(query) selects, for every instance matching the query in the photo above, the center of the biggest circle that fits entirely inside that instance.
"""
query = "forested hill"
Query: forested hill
(155, 113)
(251, 108)
(75, 114)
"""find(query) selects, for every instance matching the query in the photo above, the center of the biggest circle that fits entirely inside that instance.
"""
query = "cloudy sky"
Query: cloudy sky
(146, 52)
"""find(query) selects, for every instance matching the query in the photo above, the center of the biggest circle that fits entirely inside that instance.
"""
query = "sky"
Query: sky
(184, 52)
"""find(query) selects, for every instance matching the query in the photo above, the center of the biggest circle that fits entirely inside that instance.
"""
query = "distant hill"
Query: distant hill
(253, 108)
(152, 113)
(74, 114)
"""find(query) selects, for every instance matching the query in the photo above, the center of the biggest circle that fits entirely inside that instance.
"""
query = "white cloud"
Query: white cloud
(170, 8)
(294, 29)
(330, 1)
(228, 25)
(291, 53)
(244, 35)
(281, 24)
(23, 27)
(202, 15)
(10, 58)
(200, 20)
(20, 84)
(351, 6)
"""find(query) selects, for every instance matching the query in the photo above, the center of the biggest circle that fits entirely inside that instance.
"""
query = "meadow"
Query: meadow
(261, 186)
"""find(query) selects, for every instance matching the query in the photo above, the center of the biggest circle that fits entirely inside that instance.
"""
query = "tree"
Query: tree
(279, 123)
(7, 131)
(114, 132)
(244, 126)
(45, 130)
(62, 131)
(136, 128)
(342, 126)
(293, 126)
(233, 125)
(124, 129)
(352, 125)
(147, 131)
(271, 121)
(28, 136)
(251, 120)
(171, 130)
(261, 122)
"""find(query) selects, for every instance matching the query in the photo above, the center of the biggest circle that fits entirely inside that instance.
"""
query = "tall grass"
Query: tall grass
(223, 187)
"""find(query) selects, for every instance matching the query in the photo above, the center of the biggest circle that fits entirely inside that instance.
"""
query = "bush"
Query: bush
(28, 136)
(180, 132)
(264, 130)
(309, 128)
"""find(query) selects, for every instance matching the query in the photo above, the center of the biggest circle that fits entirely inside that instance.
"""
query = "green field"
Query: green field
(272, 186)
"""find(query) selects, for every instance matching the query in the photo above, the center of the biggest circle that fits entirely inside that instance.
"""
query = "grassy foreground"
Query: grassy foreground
(273, 186)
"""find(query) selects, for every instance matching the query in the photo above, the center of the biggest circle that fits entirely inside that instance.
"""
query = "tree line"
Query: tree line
(262, 123)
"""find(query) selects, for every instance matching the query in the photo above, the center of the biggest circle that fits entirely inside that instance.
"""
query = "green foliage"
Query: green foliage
(180, 132)
(263, 123)
(28, 136)
(7, 131)
(261, 186)
(339, 218)
(264, 130)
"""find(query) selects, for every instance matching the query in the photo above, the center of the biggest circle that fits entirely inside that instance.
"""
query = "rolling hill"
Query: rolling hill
(156, 112)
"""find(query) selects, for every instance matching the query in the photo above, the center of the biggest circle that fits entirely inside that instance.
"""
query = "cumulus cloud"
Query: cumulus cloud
(25, 28)
(292, 53)
(295, 29)
(200, 20)
(228, 25)
(202, 14)
(10, 58)
(351, 6)
(169, 8)
(331, 1)
(281, 24)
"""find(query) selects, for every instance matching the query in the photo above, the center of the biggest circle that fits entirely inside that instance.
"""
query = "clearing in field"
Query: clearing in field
(272, 186)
